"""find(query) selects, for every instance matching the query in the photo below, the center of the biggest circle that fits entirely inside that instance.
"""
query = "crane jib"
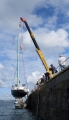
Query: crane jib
(32, 35)
(37, 47)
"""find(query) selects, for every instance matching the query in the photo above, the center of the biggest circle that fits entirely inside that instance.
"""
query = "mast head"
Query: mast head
(22, 19)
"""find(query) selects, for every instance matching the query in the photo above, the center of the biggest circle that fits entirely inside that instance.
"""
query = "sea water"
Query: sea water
(8, 112)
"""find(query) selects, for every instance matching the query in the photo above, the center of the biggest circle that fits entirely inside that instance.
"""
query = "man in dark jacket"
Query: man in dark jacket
(53, 69)
(47, 75)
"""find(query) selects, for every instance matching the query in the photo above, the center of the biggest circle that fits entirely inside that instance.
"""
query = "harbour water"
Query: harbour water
(8, 112)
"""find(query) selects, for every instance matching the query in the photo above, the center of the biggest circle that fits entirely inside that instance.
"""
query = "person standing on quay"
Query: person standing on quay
(62, 62)
(53, 69)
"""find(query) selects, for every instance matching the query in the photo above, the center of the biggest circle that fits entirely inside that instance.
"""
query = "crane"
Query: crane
(37, 47)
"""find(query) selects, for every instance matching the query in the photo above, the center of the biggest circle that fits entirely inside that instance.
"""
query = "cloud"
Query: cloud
(16, 9)
(34, 77)
(2, 84)
(56, 37)
(1, 66)
(6, 94)
(11, 11)
(48, 20)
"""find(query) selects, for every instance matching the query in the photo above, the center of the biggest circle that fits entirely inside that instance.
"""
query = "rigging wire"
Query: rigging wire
(14, 76)
(15, 69)
(20, 28)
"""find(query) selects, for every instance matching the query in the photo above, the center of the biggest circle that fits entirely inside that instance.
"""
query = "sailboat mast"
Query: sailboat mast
(18, 80)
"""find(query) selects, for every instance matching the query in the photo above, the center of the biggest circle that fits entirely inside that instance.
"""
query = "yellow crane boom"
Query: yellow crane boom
(37, 48)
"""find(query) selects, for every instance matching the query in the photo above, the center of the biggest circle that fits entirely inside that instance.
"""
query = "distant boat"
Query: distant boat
(17, 90)
(16, 102)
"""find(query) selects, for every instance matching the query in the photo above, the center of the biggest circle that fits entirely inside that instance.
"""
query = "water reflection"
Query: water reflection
(8, 112)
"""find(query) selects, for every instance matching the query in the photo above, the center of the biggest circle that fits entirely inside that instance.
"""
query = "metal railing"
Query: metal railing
(67, 64)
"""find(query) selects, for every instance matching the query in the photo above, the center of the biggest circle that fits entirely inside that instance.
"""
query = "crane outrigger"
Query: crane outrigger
(37, 47)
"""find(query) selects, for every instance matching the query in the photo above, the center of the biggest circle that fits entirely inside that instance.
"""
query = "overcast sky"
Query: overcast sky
(49, 21)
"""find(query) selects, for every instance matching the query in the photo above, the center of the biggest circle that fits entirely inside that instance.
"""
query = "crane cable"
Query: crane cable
(25, 77)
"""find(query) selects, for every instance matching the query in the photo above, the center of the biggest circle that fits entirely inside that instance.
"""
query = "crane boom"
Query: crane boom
(37, 48)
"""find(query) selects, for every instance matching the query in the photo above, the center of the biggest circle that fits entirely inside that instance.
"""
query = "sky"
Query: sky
(49, 21)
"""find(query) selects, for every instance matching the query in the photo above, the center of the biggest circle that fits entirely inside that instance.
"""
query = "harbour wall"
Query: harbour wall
(51, 102)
